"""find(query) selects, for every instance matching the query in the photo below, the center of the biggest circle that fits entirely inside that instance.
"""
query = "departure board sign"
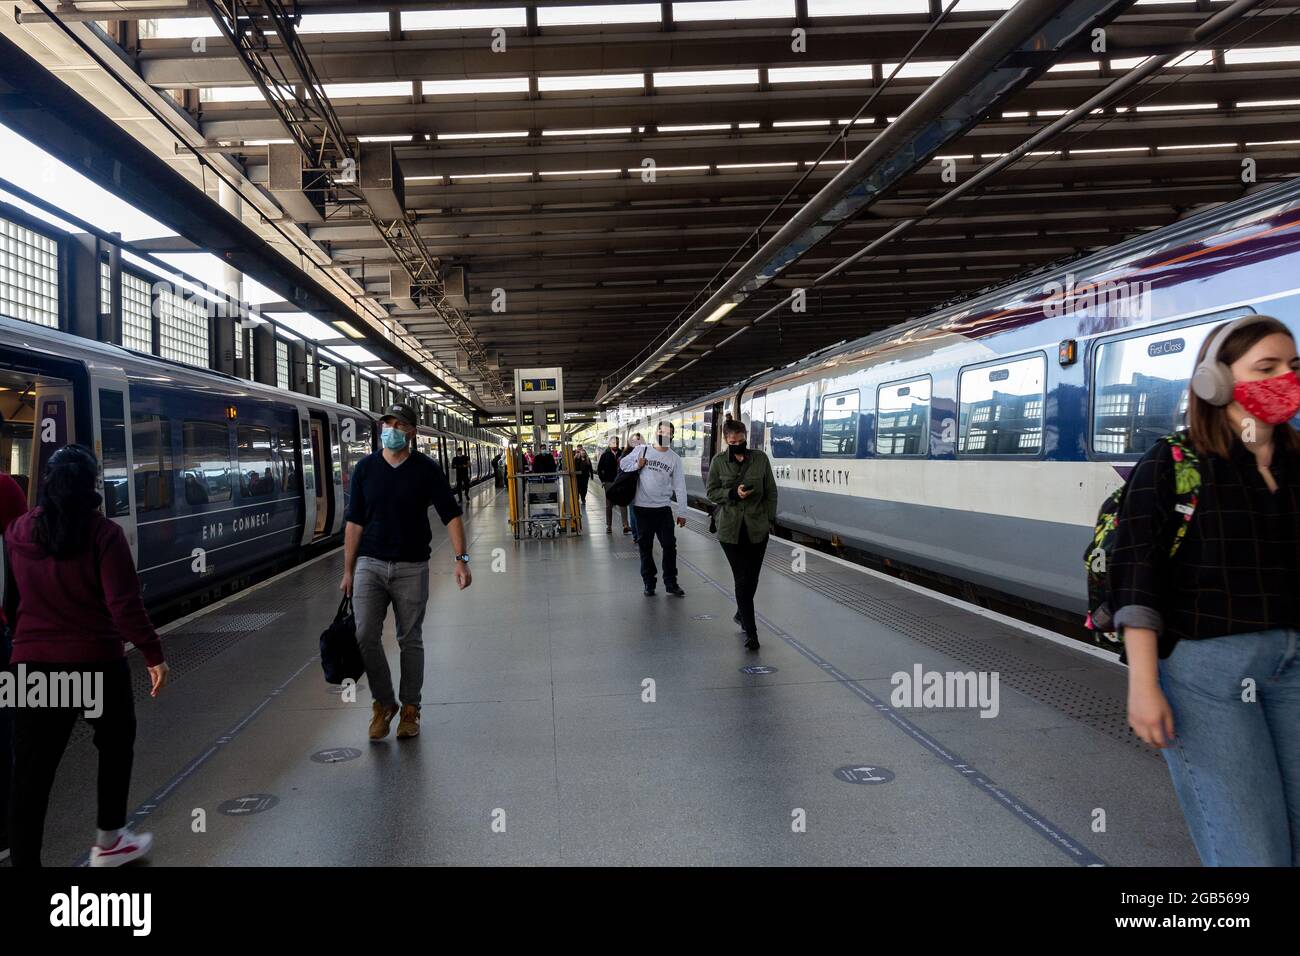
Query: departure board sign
(537, 385)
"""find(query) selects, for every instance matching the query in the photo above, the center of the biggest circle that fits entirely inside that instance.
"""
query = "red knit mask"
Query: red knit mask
(1272, 400)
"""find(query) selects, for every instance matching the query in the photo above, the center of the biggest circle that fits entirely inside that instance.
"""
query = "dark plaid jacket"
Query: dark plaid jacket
(1238, 567)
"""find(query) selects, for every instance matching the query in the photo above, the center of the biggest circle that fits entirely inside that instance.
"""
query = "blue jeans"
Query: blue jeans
(404, 584)
(1236, 763)
(631, 515)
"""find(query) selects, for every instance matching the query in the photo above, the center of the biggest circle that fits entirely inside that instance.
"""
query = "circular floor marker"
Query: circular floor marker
(336, 755)
(864, 773)
(758, 669)
(248, 804)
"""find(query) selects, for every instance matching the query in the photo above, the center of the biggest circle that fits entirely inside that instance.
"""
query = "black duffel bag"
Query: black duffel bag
(623, 488)
(340, 657)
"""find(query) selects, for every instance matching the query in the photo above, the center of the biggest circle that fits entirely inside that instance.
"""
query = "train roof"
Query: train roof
(1281, 196)
(58, 343)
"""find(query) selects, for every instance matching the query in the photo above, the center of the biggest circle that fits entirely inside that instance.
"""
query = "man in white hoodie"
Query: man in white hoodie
(662, 480)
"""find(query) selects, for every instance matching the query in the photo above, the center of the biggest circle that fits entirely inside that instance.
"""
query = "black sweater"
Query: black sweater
(1238, 568)
(392, 506)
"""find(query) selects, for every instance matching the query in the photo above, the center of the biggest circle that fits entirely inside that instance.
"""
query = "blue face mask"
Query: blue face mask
(393, 439)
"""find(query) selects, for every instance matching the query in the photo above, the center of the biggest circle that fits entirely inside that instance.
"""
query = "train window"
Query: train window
(336, 454)
(112, 432)
(285, 456)
(903, 418)
(207, 462)
(359, 446)
(1001, 411)
(789, 416)
(257, 474)
(1140, 387)
(839, 438)
(151, 454)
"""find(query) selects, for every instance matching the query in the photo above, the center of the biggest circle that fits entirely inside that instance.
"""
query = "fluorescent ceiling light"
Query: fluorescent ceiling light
(615, 13)
(480, 135)
(721, 310)
(705, 77)
(348, 330)
(601, 131)
(596, 81)
(819, 74)
(504, 84)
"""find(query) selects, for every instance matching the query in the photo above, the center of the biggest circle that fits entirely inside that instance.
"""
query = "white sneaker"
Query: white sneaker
(127, 848)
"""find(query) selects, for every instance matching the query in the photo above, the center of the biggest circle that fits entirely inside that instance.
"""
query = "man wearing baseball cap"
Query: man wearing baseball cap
(386, 560)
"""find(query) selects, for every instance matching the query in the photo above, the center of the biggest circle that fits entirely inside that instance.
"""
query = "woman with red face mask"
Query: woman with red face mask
(1210, 626)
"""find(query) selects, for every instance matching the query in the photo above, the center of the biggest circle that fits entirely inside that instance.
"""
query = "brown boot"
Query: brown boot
(380, 718)
(409, 725)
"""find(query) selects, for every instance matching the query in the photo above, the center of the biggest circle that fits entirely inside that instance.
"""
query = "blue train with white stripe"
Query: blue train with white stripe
(211, 477)
(976, 444)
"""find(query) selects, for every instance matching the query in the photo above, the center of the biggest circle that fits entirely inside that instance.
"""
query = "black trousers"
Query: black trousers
(41, 735)
(6, 743)
(6, 771)
(746, 560)
(654, 523)
(462, 485)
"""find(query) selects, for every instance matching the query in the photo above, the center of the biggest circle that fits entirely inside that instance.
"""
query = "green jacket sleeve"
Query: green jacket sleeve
(714, 490)
(770, 483)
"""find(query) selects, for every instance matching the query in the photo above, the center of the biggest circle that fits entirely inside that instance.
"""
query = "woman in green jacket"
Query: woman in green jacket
(743, 490)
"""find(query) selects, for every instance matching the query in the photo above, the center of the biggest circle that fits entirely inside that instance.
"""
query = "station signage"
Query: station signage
(537, 385)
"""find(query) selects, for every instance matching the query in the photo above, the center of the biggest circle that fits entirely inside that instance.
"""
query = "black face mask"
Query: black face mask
(739, 448)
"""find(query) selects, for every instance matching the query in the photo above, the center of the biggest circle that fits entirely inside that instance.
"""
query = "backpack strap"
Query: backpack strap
(1187, 483)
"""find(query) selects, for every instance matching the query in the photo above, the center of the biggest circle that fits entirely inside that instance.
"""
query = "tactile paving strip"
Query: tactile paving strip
(1105, 712)
(196, 642)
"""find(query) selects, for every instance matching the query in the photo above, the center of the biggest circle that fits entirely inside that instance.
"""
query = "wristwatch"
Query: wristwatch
(463, 557)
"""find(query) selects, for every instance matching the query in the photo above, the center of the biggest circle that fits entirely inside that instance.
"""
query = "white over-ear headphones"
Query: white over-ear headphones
(1212, 381)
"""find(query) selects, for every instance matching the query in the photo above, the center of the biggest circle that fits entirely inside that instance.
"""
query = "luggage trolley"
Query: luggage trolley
(543, 504)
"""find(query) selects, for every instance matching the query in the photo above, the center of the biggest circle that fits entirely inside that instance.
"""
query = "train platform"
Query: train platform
(570, 720)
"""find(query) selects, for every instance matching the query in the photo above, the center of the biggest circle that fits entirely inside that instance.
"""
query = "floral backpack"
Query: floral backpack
(1096, 559)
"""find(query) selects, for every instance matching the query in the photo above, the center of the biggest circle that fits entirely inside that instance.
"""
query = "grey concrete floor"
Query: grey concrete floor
(539, 747)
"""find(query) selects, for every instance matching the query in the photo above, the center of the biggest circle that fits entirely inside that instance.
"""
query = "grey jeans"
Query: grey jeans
(404, 584)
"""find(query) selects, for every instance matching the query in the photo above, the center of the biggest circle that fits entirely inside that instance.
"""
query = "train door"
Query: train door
(310, 486)
(758, 420)
(323, 474)
(712, 438)
(336, 476)
(111, 414)
(44, 405)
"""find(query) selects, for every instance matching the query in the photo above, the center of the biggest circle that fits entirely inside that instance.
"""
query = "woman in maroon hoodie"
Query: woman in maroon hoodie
(12, 505)
(78, 601)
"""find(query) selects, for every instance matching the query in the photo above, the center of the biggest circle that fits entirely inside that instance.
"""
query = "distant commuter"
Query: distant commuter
(607, 471)
(581, 475)
(386, 560)
(743, 490)
(633, 443)
(528, 460)
(498, 468)
(78, 602)
(13, 504)
(460, 466)
(544, 462)
(1210, 633)
(660, 496)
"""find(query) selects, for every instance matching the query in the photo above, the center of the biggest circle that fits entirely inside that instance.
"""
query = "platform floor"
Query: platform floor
(538, 747)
